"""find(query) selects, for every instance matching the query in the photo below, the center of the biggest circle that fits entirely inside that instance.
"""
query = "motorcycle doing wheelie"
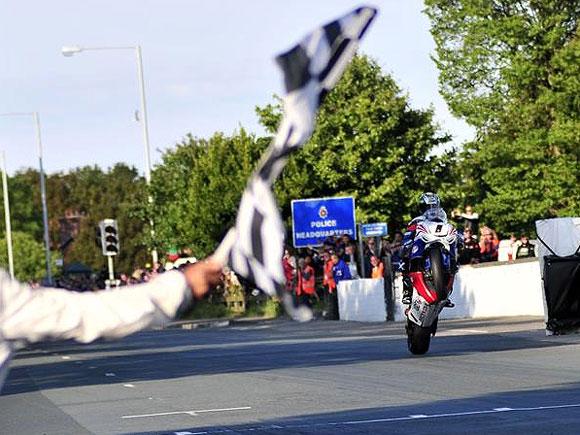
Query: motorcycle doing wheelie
(432, 270)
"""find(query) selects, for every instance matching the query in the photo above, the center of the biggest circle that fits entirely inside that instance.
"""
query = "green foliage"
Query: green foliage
(368, 143)
(25, 205)
(198, 186)
(269, 308)
(512, 70)
(29, 257)
(207, 310)
(93, 193)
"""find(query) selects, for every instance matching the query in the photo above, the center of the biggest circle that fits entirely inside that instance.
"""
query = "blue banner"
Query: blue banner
(378, 229)
(314, 220)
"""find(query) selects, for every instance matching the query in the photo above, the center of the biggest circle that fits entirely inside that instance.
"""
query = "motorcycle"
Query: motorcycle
(432, 270)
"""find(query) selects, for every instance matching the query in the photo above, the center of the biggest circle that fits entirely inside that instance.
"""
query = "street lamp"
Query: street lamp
(7, 214)
(70, 51)
(36, 119)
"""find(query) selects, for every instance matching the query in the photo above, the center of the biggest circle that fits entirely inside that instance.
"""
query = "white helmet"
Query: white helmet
(427, 201)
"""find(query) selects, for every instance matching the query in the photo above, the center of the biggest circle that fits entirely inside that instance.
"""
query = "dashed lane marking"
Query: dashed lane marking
(415, 417)
(192, 412)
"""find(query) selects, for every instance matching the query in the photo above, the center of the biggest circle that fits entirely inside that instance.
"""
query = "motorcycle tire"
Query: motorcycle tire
(418, 338)
(438, 272)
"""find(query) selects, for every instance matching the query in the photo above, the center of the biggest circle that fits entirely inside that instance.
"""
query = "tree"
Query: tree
(198, 186)
(25, 205)
(368, 143)
(510, 68)
(29, 257)
(99, 195)
(92, 193)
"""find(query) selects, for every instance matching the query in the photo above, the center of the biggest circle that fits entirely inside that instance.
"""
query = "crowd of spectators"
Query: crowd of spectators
(312, 275)
(488, 247)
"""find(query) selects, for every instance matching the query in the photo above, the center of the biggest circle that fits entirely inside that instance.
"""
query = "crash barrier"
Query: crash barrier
(362, 300)
(559, 251)
(491, 290)
(485, 290)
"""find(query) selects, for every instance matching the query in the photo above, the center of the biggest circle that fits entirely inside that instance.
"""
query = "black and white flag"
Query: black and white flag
(254, 247)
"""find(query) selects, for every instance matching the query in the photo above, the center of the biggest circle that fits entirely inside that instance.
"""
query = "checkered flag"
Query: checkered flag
(254, 247)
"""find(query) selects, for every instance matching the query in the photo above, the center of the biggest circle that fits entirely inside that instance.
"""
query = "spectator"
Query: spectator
(330, 286)
(341, 244)
(340, 271)
(370, 249)
(469, 252)
(513, 245)
(306, 282)
(524, 248)
(378, 268)
(395, 249)
(488, 244)
(289, 265)
(468, 219)
(350, 259)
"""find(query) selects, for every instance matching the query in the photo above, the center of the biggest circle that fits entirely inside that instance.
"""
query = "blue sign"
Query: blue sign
(378, 229)
(314, 220)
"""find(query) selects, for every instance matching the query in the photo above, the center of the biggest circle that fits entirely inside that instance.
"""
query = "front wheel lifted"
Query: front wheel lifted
(418, 338)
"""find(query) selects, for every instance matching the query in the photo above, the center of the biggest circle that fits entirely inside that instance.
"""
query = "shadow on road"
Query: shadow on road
(230, 351)
(553, 410)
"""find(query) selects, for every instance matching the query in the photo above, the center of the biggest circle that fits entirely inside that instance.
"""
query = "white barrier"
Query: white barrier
(362, 300)
(491, 290)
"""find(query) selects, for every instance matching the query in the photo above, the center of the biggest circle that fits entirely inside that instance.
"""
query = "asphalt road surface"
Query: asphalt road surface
(492, 376)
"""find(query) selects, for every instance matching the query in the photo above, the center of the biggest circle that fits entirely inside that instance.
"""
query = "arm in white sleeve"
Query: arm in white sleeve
(37, 314)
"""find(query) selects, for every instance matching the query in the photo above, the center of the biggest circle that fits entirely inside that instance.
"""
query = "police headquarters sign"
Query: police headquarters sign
(313, 220)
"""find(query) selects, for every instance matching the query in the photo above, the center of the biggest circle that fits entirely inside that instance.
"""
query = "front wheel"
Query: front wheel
(438, 273)
(418, 338)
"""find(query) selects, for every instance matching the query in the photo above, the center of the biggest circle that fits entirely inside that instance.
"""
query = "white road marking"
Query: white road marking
(473, 331)
(192, 413)
(389, 420)
(65, 357)
(129, 385)
(456, 332)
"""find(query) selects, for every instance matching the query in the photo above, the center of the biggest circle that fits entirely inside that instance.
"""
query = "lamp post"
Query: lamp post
(7, 214)
(69, 51)
(36, 120)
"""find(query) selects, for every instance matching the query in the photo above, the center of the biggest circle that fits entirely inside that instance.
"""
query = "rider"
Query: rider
(430, 208)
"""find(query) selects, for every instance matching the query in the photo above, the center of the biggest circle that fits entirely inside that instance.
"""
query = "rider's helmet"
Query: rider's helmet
(428, 201)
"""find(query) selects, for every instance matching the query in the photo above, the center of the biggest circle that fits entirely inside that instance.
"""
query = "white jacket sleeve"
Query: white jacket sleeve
(36, 314)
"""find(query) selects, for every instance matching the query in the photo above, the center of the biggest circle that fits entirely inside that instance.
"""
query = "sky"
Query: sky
(207, 65)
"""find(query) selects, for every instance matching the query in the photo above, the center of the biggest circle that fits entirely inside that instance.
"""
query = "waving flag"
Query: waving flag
(254, 247)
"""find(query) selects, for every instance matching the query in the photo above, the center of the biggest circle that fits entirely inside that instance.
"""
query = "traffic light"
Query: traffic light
(109, 237)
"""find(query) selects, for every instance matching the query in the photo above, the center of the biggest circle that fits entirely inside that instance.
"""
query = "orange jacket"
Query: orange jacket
(328, 280)
(306, 281)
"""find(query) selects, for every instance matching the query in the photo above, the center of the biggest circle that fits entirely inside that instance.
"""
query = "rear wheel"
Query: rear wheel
(418, 338)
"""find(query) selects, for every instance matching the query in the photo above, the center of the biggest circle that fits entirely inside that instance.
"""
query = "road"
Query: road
(280, 377)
